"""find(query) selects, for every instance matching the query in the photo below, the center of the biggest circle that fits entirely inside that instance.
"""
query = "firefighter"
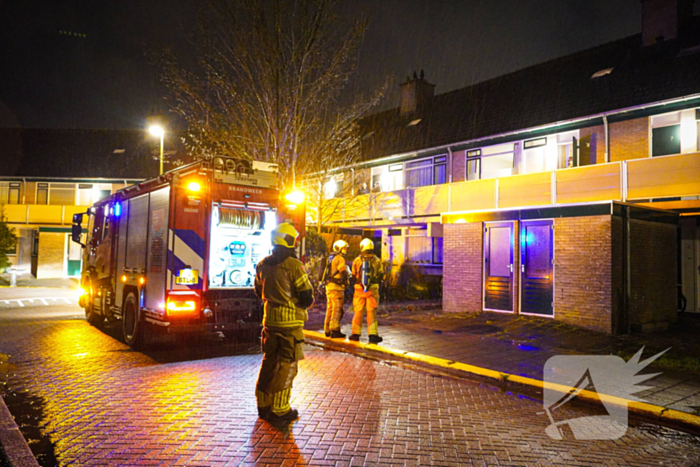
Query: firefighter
(368, 272)
(282, 283)
(336, 280)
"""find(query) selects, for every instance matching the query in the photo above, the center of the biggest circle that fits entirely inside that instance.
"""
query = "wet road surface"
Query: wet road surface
(97, 402)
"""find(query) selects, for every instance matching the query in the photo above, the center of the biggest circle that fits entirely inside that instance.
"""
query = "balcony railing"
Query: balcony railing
(658, 177)
(41, 214)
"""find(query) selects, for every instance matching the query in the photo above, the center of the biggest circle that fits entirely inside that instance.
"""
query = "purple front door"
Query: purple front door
(537, 267)
(498, 266)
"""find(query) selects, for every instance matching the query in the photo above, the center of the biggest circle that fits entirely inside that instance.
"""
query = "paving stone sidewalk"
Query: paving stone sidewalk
(521, 345)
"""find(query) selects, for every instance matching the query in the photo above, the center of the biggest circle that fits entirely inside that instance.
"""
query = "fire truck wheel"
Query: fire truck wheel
(92, 318)
(132, 324)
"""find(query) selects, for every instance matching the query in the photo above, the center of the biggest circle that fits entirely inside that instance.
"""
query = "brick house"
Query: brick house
(49, 175)
(568, 189)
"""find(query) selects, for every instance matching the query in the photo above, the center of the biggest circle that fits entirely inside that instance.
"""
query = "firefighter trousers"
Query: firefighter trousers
(282, 349)
(368, 301)
(334, 308)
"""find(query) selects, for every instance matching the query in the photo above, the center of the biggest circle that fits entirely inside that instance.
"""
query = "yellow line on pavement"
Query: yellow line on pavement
(641, 408)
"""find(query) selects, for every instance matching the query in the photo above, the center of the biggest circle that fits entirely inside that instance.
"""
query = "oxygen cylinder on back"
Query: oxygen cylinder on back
(366, 271)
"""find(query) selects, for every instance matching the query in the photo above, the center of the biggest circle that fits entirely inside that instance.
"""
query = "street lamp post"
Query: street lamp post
(157, 130)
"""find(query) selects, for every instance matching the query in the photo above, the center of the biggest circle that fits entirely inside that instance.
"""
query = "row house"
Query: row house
(40, 211)
(568, 189)
(48, 175)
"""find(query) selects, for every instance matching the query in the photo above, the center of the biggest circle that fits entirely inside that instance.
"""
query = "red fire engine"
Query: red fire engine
(177, 253)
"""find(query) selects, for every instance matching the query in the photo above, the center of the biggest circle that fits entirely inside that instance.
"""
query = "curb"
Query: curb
(12, 441)
(653, 413)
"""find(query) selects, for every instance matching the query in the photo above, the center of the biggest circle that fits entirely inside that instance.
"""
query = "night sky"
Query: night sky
(80, 63)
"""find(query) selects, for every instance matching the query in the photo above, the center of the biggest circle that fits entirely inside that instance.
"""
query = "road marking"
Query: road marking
(21, 301)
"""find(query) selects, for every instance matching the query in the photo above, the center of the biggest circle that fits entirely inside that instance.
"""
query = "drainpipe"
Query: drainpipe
(352, 174)
(449, 176)
(607, 138)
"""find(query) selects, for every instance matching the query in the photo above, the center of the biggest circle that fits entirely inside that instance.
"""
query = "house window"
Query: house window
(419, 249)
(387, 178)
(497, 161)
(61, 194)
(56, 194)
(9, 192)
(666, 140)
(437, 250)
(473, 169)
(42, 193)
(333, 188)
(84, 194)
(440, 171)
(424, 250)
(419, 173)
(425, 172)
(666, 134)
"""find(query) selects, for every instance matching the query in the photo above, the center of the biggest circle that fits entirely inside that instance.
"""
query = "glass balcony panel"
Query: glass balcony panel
(589, 183)
(525, 190)
(664, 176)
(472, 195)
(429, 200)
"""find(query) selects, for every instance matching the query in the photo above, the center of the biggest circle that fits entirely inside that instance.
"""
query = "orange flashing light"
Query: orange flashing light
(142, 280)
(124, 278)
(194, 186)
(182, 305)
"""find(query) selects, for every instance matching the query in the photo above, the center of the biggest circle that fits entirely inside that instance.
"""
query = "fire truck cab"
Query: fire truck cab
(177, 253)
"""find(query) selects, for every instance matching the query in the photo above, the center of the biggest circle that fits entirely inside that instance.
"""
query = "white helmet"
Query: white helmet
(340, 245)
(366, 244)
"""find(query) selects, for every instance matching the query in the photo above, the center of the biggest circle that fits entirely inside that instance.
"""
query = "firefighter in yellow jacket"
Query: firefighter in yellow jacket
(368, 272)
(282, 283)
(336, 279)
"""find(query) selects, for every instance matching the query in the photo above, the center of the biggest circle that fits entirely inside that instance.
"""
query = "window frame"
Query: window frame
(435, 163)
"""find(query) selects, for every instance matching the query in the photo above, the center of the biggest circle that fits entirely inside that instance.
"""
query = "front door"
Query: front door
(537, 268)
(75, 252)
(498, 266)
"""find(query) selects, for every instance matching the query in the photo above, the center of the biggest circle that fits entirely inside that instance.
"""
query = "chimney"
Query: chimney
(662, 19)
(416, 94)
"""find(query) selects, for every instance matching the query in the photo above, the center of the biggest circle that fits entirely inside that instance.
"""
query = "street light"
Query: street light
(157, 130)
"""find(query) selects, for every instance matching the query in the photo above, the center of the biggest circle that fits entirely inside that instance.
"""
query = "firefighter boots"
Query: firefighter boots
(354, 337)
(374, 339)
(337, 335)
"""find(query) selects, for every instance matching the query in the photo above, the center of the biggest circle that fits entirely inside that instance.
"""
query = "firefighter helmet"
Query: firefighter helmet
(340, 245)
(366, 244)
(284, 235)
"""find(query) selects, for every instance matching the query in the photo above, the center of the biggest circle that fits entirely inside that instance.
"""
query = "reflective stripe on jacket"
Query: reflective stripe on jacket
(280, 284)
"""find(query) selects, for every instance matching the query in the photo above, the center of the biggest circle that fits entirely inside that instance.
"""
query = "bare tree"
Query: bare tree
(269, 85)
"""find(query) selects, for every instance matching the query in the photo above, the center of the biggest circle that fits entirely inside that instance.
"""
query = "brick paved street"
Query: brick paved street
(103, 404)
(521, 346)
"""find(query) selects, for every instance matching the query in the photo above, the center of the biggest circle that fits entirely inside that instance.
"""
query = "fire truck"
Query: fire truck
(177, 253)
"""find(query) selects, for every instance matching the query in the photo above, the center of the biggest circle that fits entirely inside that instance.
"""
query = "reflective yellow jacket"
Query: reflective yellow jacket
(279, 283)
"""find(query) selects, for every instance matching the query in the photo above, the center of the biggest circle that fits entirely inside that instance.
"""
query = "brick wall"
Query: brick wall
(583, 272)
(629, 139)
(51, 255)
(653, 270)
(30, 193)
(459, 162)
(619, 321)
(462, 267)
